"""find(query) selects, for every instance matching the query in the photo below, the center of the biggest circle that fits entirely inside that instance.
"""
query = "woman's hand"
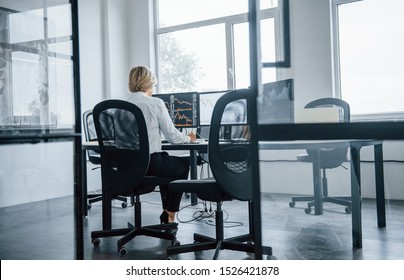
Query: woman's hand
(192, 135)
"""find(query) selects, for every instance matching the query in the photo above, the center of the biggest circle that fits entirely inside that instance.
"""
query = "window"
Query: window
(36, 67)
(205, 47)
(198, 63)
(369, 56)
(242, 50)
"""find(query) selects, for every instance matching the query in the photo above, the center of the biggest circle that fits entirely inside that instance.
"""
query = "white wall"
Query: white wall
(114, 35)
(312, 49)
(105, 40)
(92, 48)
(118, 31)
(141, 29)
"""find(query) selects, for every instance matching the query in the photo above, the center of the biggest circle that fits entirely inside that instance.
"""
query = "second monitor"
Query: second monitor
(182, 107)
(275, 104)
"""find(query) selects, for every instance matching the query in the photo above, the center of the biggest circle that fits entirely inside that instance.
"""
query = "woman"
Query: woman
(141, 84)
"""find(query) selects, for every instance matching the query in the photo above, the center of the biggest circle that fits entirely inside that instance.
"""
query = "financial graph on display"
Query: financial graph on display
(276, 102)
(183, 108)
(207, 101)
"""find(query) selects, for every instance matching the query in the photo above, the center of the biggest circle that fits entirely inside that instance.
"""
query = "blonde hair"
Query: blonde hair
(141, 78)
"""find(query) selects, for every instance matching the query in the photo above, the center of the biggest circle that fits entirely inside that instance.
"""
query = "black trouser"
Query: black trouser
(164, 165)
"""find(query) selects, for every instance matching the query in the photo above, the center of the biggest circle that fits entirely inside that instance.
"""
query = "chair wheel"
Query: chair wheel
(172, 231)
(175, 243)
(96, 241)
(124, 204)
(123, 251)
(307, 210)
(271, 257)
(348, 210)
(292, 204)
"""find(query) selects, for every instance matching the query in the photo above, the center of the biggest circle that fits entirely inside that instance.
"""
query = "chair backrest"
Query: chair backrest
(125, 158)
(88, 125)
(333, 157)
(91, 135)
(230, 161)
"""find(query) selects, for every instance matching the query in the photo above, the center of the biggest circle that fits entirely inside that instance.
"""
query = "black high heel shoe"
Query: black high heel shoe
(164, 218)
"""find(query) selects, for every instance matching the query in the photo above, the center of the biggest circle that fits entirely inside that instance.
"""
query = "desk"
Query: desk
(355, 148)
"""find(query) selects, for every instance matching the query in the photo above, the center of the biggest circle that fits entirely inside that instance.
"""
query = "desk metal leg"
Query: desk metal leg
(78, 200)
(317, 185)
(194, 173)
(356, 198)
(84, 181)
(380, 199)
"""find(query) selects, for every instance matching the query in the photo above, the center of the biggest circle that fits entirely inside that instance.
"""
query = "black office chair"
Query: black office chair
(329, 158)
(230, 163)
(93, 156)
(124, 163)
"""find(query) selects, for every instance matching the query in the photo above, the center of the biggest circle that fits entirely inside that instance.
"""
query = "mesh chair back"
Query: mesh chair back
(91, 134)
(230, 160)
(125, 158)
(333, 157)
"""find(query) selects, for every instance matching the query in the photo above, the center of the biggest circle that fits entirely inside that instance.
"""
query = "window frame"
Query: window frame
(335, 44)
(375, 116)
(228, 21)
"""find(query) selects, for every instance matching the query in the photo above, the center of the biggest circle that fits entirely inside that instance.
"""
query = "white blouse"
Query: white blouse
(157, 121)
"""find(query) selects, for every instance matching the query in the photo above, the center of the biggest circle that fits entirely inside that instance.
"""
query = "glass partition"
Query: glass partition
(36, 67)
(40, 141)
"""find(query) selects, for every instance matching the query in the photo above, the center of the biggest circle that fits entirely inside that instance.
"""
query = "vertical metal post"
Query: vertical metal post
(78, 160)
(356, 197)
(380, 198)
(255, 74)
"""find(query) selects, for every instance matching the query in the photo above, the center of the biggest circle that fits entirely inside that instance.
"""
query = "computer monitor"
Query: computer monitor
(275, 104)
(234, 116)
(183, 108)
(207, 101)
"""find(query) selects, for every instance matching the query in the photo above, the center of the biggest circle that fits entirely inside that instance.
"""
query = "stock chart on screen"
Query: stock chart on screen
(182, 107)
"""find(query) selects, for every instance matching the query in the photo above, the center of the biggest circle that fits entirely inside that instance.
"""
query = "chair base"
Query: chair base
(242, 243)
(340, 200)
(92, 198)
(163, 231)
